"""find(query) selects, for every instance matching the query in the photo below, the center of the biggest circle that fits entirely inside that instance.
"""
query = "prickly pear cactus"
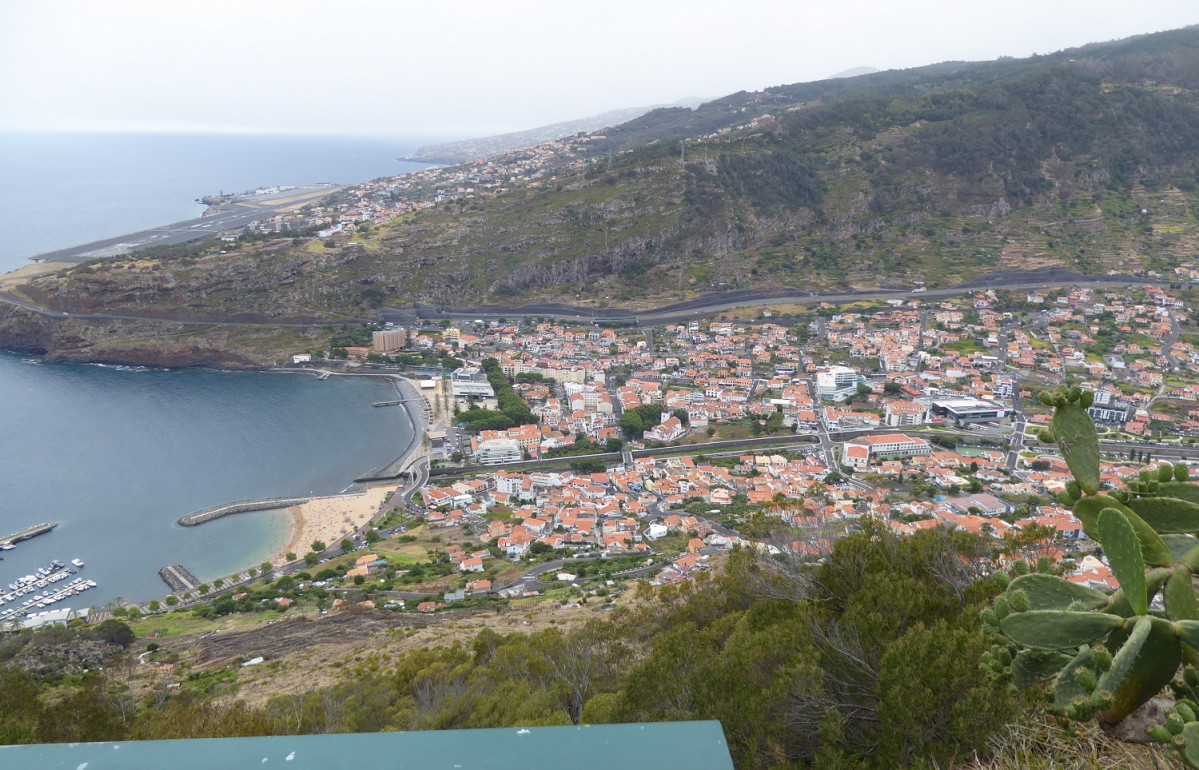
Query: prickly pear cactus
(1107, 654)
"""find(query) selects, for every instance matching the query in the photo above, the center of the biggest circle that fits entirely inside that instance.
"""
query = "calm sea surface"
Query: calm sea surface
(59, 190)
(117, 455)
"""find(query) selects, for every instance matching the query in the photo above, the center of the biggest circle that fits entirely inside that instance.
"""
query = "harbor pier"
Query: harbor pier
(178, 579)
(9, 541)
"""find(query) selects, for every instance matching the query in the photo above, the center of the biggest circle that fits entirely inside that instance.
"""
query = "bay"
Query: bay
(117, 455)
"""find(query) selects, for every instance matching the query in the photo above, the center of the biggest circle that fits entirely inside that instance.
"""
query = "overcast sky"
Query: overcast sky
(439, 67)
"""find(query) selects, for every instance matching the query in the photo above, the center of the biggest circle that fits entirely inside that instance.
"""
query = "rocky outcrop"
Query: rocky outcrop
(132, 343)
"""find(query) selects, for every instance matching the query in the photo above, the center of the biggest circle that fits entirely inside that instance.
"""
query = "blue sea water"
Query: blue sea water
(116, 455)
(62, 189)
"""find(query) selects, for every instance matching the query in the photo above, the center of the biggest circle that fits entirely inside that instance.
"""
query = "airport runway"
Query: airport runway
(238, 214)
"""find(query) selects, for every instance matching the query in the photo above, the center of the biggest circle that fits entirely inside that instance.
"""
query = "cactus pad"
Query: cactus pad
(1124, 554)
(1050, 592)
(1179, 595)
(1144, 665)
(1032, 666)
(1153, 549)
(1058, 629)
(1167, 515)
(1079, 442)
(1183, 490)
(1066, 688)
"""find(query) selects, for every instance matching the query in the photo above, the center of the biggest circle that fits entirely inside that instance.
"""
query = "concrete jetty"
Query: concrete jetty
(25, 534)
(178, 579)
(242, 506)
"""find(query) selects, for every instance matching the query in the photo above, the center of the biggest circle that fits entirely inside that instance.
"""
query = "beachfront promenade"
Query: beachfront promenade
(413, 454)
(330, 518)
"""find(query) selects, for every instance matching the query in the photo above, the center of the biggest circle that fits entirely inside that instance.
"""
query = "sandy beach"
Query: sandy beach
(330, 519)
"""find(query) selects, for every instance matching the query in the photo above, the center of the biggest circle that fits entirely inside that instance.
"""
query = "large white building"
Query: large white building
(837, 383)
(472, 382)
(857, 454)
(905, 414)
(966, 409)
(499, 450)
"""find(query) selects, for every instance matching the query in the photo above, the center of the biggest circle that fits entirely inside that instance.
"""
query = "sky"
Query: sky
(394, 68)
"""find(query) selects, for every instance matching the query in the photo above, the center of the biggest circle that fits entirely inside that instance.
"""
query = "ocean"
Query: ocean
(116, 455)
(59, 190)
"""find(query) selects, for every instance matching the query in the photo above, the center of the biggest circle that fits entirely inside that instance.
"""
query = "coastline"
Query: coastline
(330, 520)
(230, 546)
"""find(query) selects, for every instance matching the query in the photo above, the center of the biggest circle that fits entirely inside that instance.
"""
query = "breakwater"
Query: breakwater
(243, 506)
(179, 579)
(28, 532)
(248, 506)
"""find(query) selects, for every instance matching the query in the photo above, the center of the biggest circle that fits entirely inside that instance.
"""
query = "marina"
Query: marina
(26, 595)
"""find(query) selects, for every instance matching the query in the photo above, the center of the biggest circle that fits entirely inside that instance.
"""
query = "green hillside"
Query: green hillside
(1087, 159)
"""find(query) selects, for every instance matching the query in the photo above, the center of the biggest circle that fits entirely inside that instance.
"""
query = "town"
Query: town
(786, 431)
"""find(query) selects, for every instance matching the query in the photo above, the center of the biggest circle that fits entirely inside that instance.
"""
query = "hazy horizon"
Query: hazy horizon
(470, 69)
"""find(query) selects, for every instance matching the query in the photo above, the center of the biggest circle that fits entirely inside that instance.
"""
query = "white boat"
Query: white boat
(77, 562)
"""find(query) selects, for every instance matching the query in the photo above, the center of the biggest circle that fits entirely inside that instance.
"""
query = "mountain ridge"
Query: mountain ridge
(1086, 160)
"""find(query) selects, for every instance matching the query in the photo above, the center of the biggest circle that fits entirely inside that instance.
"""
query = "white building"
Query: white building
(837, 383)
(499, 450)
(471, 382)
(966, 409)
(858, 453)
(905, 414)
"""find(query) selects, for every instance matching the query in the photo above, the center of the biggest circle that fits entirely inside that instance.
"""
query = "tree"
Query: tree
(318, 545)
(311, 559)
(203, 588)
(114, 632)
(172, 601)
(372, 536)
(290, 556)
(347, 545)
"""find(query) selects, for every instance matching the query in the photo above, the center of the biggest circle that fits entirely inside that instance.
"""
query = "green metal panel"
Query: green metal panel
(690, 745)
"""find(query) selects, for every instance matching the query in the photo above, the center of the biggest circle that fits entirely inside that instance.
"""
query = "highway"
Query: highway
(708, 305)
(718, 302)
(241, 212)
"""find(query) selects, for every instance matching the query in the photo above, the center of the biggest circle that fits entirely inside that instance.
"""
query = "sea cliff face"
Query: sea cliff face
(134, 343)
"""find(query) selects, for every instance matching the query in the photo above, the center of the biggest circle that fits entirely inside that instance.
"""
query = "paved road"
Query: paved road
(673, 313)
(720, 302)
(239, 213)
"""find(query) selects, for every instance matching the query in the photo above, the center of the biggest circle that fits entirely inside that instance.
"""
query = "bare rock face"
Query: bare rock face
(1135, 727)
(134, 343)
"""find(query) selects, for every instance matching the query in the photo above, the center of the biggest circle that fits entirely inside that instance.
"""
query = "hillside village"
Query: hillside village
(911, 414)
